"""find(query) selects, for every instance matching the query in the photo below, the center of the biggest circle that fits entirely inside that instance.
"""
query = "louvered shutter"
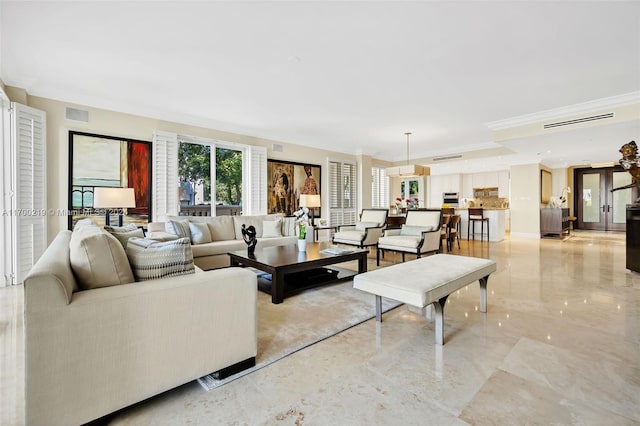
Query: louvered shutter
(29, 204)
(257, 179)
(379, 188)
(165, 175)
(342, 193)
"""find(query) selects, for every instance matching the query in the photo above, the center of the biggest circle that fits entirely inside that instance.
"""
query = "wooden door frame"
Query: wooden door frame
(606, 196)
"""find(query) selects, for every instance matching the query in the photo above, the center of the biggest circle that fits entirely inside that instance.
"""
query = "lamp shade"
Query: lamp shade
(309, 201)
(113, 198)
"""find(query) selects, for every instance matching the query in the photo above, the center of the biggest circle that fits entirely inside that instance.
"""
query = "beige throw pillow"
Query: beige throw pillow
(200, 233)
(98, 259)
(123, 233)
(272, 228)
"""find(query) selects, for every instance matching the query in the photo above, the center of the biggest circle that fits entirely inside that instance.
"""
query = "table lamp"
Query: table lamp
(113, 198)
(311, 202)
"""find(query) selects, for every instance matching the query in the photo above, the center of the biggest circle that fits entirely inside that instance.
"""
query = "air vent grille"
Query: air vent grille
(579, 120)
(449, 157)
(76, 114)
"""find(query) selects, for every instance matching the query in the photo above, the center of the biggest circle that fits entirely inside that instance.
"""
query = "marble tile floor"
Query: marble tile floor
(560, 344)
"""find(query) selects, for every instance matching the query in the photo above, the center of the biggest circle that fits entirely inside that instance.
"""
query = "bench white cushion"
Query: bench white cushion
(423, 281)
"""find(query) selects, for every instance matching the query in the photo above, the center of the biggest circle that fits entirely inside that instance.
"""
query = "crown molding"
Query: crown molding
(569, 110)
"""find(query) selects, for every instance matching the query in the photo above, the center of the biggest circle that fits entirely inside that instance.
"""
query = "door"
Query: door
(599, 208)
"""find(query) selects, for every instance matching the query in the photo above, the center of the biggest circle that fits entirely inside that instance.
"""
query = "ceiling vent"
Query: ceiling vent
(76, 114)
(449, 157)
(578, 120)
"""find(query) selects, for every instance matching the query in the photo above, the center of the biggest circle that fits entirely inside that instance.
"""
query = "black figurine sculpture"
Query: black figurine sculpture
(249, 237)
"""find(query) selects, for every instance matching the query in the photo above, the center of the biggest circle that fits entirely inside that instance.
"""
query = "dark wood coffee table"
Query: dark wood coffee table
(287, 262)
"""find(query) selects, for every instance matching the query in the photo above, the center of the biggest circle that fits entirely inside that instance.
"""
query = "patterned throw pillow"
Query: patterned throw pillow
(150, 259)
(180, 228)
(123, 233)
(200, 233)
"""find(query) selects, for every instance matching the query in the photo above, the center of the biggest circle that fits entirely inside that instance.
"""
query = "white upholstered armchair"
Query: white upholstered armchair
(366, 232)
(419, 234)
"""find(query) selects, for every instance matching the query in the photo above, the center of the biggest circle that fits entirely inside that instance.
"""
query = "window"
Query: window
(183, 167)
(342, 193)
(379, 188)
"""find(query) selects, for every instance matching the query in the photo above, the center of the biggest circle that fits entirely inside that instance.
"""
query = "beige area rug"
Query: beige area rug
(303, 320)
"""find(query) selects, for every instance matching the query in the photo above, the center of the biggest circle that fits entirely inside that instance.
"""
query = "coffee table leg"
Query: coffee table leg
(277, 287)
(362, 264)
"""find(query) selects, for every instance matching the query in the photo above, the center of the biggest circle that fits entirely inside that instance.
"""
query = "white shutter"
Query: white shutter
(29, 206)
(343, 193)
(256, 176)
(379, 188)
(165, 175)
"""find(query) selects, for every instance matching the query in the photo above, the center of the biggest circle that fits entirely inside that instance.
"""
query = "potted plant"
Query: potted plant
(302, 215)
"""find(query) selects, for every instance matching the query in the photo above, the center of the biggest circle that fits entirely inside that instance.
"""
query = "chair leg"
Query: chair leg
(377, 256)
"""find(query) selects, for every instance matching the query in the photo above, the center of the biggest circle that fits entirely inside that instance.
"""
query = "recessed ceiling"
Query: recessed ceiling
(345, 76)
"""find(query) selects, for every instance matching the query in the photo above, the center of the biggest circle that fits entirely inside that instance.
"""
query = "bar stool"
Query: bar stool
(477, 215)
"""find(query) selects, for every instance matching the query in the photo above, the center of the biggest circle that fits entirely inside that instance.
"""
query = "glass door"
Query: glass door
(598, 207)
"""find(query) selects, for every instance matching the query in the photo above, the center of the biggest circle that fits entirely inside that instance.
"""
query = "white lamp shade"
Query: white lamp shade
(113, 198)
(309, 201)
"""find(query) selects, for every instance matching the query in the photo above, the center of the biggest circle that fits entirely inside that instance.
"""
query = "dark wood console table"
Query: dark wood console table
(554, 223)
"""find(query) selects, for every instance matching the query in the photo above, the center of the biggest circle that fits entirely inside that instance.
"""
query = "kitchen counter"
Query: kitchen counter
(497, 223)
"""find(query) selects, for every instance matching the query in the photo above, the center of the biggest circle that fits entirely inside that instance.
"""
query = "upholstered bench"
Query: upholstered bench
(425, 281)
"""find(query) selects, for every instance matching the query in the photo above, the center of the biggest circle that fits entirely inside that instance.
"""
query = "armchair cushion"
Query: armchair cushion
(361, 226)
(415, 230)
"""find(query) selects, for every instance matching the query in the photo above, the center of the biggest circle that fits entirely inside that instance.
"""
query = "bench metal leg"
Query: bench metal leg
(378, 308)
(483, 293)
(439, 327)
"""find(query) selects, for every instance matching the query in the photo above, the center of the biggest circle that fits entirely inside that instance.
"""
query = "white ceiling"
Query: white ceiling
(344, 76)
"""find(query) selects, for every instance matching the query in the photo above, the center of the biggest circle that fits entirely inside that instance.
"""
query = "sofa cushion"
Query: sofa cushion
(180, 228)
(200, 233)
(217, 248)
(162, 236)
(272, 228)
(98, 259)
(221, 228)
(123, 233)
(151, 259)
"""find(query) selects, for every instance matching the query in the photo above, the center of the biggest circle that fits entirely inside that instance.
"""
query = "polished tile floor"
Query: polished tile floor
(560, 344)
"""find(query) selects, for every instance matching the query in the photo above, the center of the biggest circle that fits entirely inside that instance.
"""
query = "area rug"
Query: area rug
(303, 320)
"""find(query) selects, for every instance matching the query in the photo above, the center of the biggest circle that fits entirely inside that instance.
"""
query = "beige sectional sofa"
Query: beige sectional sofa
(225, 235)
(94, 351)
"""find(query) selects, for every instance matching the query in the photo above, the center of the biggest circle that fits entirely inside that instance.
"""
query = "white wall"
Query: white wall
(135, 127)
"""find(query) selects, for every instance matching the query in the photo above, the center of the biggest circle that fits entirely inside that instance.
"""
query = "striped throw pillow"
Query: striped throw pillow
(150, 259)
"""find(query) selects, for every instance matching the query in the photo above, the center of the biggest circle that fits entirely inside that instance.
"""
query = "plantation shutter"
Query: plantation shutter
(379, 188)
(257, 178)
(165, 175)
(29, 201)
(343, 193)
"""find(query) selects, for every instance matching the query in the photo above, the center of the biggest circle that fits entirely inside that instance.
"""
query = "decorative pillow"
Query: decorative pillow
(199, 233)
(180, 228)
(361, 226)
(123, 233)
(272, 228)
(415, 231)
(84, 222)
(221, 228)
(152, 259)
(98, 259)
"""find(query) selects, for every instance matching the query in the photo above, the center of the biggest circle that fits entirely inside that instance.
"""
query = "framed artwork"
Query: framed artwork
(545, 186)
(111, 162)
(287, 181)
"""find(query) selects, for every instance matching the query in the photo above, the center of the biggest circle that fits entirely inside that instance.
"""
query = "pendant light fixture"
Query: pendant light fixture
(408, 170)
